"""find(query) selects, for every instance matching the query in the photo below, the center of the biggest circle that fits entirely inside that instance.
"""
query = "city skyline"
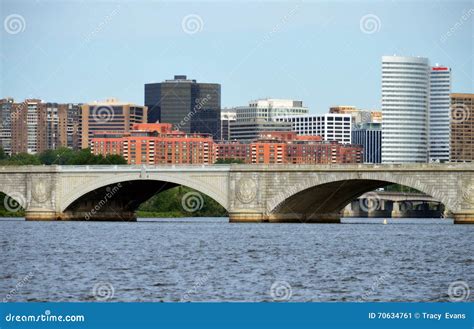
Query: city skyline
(193, 43)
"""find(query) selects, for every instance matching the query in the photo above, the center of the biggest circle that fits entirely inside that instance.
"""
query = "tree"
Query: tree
(114, 159)
(400, 188)
(85, 157)
(228, 161)
(3, 155)
(183, 201)
(47, 157)
(22, 159)
(62, 156)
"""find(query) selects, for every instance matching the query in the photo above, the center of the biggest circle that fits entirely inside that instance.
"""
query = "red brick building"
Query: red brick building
(288, 147)
(156, 143)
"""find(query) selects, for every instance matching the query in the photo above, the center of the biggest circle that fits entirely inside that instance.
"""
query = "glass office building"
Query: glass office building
(405, 108)
(369, 136)
(189, 106)
(439, 115)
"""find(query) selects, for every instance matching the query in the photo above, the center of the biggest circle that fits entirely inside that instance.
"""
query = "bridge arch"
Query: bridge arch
(129, 191)
(329, 195)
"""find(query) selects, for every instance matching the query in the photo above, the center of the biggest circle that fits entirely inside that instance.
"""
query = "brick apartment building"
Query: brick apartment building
(159, 144)
(109, 115)
(288, 147)
(462, 127)
(156, 144)
(34, 126)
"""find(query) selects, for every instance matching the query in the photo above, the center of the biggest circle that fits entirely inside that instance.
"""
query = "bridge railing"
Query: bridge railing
(247, 167)
(171, 167)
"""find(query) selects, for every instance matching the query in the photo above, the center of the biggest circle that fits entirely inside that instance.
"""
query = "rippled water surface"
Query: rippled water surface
(209, 259)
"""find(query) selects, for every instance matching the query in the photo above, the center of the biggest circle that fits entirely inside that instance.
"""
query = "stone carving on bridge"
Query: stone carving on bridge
(468, 192)
(246, 190)
(41, 190)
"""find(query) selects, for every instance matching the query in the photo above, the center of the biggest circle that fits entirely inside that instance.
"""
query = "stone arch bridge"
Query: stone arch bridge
(250, 193)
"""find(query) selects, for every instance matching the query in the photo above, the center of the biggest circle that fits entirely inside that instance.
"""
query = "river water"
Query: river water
(209, 259)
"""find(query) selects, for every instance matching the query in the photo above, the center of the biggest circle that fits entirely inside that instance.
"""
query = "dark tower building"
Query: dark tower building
(369, 136)
(189, 106)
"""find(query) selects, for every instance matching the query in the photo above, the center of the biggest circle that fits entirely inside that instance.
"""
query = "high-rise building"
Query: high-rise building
(331, 127)
(110, 115)
(376, 116)
(405, 106)
(462, 127)
(6, 124)
(54, 123)
(359, 117)
(227, 117)
(37, 126)
(19, 135)
(74, 126)
(439, 114)
(369, 136)
(36, 133)
(251, 130)
(343, 109)
(189, 106)
(259, 117)
(269, 108)
(28, 127)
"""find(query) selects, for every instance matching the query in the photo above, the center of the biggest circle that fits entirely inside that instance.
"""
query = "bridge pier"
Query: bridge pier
(248, 217)
(120, 216)
(40, 215)
(464, 217)
(347, 211)
(109, 216)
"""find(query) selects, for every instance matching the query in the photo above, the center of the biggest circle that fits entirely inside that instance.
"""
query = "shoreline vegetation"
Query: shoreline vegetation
(66, 156)
(60, 156)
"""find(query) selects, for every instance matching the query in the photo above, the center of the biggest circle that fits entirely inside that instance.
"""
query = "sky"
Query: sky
(324, 53)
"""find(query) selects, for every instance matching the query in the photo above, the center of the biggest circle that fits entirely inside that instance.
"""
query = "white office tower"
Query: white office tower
(439, 114)
(330, 126)
(405, 105)
(269, 108)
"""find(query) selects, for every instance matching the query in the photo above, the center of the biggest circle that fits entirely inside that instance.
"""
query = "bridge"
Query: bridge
(394, 204)
(250, 193)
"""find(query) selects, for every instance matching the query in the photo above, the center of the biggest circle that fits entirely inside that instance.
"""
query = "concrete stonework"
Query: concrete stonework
(250, 193)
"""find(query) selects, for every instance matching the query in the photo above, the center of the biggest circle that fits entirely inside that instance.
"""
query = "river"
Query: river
(209, 259)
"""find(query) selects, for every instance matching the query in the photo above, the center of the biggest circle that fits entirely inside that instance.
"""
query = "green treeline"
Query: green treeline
(400, 188)
(65, 156)
(61, 156)
(181, 201)
(228, 161)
